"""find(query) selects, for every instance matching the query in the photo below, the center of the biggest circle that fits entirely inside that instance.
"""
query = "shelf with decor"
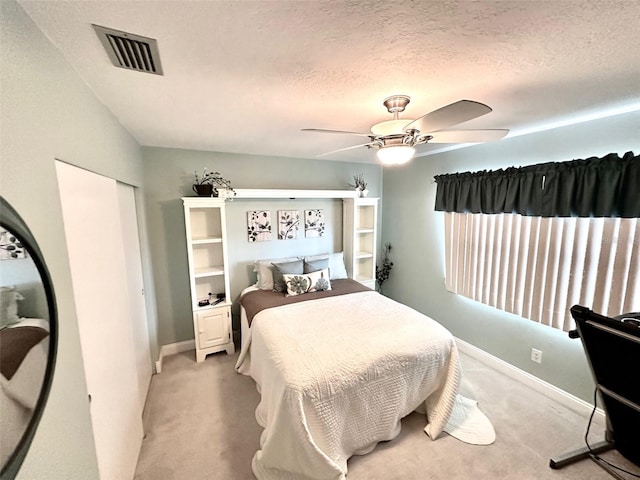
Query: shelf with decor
(206, 236)
(360, 217)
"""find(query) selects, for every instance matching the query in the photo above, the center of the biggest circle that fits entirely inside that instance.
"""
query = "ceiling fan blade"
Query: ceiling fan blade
(468, 136)
(452, 114)
(344, 149)
(321, 130)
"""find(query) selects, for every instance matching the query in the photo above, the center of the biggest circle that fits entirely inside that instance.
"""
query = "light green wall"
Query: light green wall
(48, 112)
(169, 176)
(415, 231)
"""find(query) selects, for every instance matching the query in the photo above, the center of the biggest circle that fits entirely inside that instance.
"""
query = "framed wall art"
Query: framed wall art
(288, 224)
(10, 247)
(259, 226)
(313, 223)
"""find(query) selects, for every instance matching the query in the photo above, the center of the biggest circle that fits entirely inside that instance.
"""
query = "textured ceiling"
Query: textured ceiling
(246, 76)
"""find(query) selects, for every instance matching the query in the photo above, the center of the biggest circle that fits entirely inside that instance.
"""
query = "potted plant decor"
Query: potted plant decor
(383, 272)
(360, 185)
(212, 184)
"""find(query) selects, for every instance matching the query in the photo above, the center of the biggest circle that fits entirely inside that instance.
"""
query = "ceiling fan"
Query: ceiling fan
(396, 139)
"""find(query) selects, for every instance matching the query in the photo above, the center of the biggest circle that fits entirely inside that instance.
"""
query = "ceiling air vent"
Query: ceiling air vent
(130, 51)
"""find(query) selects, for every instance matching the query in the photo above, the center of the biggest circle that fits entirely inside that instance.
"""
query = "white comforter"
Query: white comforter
(18, 396)
(336, 376)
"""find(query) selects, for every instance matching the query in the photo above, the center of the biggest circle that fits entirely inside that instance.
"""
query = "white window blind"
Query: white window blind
(539, 267)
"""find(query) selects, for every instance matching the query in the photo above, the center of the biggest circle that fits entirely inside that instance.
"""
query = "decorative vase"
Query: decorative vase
(204, 190)
(226, 193)
(363, 193)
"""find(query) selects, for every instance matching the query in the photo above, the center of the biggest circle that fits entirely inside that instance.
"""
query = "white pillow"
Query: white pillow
(337, 269)
(9, 298)
(297, 284)
(264, 269)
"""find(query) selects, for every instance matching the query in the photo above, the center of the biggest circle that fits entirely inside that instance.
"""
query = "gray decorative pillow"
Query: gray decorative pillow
(295, 267)
(264, 270)
(315, 265)
(337, 269)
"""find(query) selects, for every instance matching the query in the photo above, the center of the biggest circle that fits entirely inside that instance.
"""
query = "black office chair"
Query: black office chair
(612, 346)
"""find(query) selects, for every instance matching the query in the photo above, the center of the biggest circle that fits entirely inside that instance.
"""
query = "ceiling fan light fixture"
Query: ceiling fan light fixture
(396, 103)
(396, 154)
(395, 139)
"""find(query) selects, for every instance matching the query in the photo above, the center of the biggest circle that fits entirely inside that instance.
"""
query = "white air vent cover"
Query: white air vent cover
(130, 51)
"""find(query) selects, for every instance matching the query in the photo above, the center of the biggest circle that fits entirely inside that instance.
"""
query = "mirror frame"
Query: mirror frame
(10, 220)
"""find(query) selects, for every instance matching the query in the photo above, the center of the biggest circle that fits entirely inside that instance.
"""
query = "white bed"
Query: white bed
(21, 390)
(336, 376)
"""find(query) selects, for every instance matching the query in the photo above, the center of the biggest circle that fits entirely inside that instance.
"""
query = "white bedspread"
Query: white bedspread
(336, 376)
(18, 396)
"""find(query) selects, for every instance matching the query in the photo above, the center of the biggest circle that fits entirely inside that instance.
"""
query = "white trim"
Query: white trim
(203, 201)
(564, 398)
(278, 193)
(172, 349)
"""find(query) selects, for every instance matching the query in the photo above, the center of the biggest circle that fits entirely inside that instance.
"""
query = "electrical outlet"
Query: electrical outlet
(536, 355)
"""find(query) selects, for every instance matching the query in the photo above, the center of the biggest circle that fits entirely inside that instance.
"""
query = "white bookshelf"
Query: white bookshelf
(360, 217)
(206, 235)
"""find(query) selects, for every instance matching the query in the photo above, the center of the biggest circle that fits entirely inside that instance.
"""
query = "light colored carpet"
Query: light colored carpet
(200, 424)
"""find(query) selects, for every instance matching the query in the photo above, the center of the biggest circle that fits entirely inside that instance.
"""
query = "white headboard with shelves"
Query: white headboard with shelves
(243, 253)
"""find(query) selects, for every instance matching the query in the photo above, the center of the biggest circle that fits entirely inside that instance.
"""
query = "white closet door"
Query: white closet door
(137, 307)
(96, 255)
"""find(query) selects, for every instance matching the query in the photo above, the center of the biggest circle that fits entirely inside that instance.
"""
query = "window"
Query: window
(537, 240)
(539, 267)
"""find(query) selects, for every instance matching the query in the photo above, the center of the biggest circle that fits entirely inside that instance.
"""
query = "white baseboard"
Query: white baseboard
(172, 349)
(551, 391)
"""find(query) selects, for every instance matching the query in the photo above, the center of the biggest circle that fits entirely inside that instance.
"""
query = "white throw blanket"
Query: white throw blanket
(338, 374)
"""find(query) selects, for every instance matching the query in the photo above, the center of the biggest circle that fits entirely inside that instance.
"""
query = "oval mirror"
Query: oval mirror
(28, 338)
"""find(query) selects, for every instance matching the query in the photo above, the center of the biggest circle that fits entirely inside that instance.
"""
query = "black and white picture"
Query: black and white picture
(10, 247)
(288, 224)
(313, 223)
(259, 225)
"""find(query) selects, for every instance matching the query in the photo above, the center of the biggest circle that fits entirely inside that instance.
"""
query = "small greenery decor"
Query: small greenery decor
(214, 179)
(383, 272)
(358, 182)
